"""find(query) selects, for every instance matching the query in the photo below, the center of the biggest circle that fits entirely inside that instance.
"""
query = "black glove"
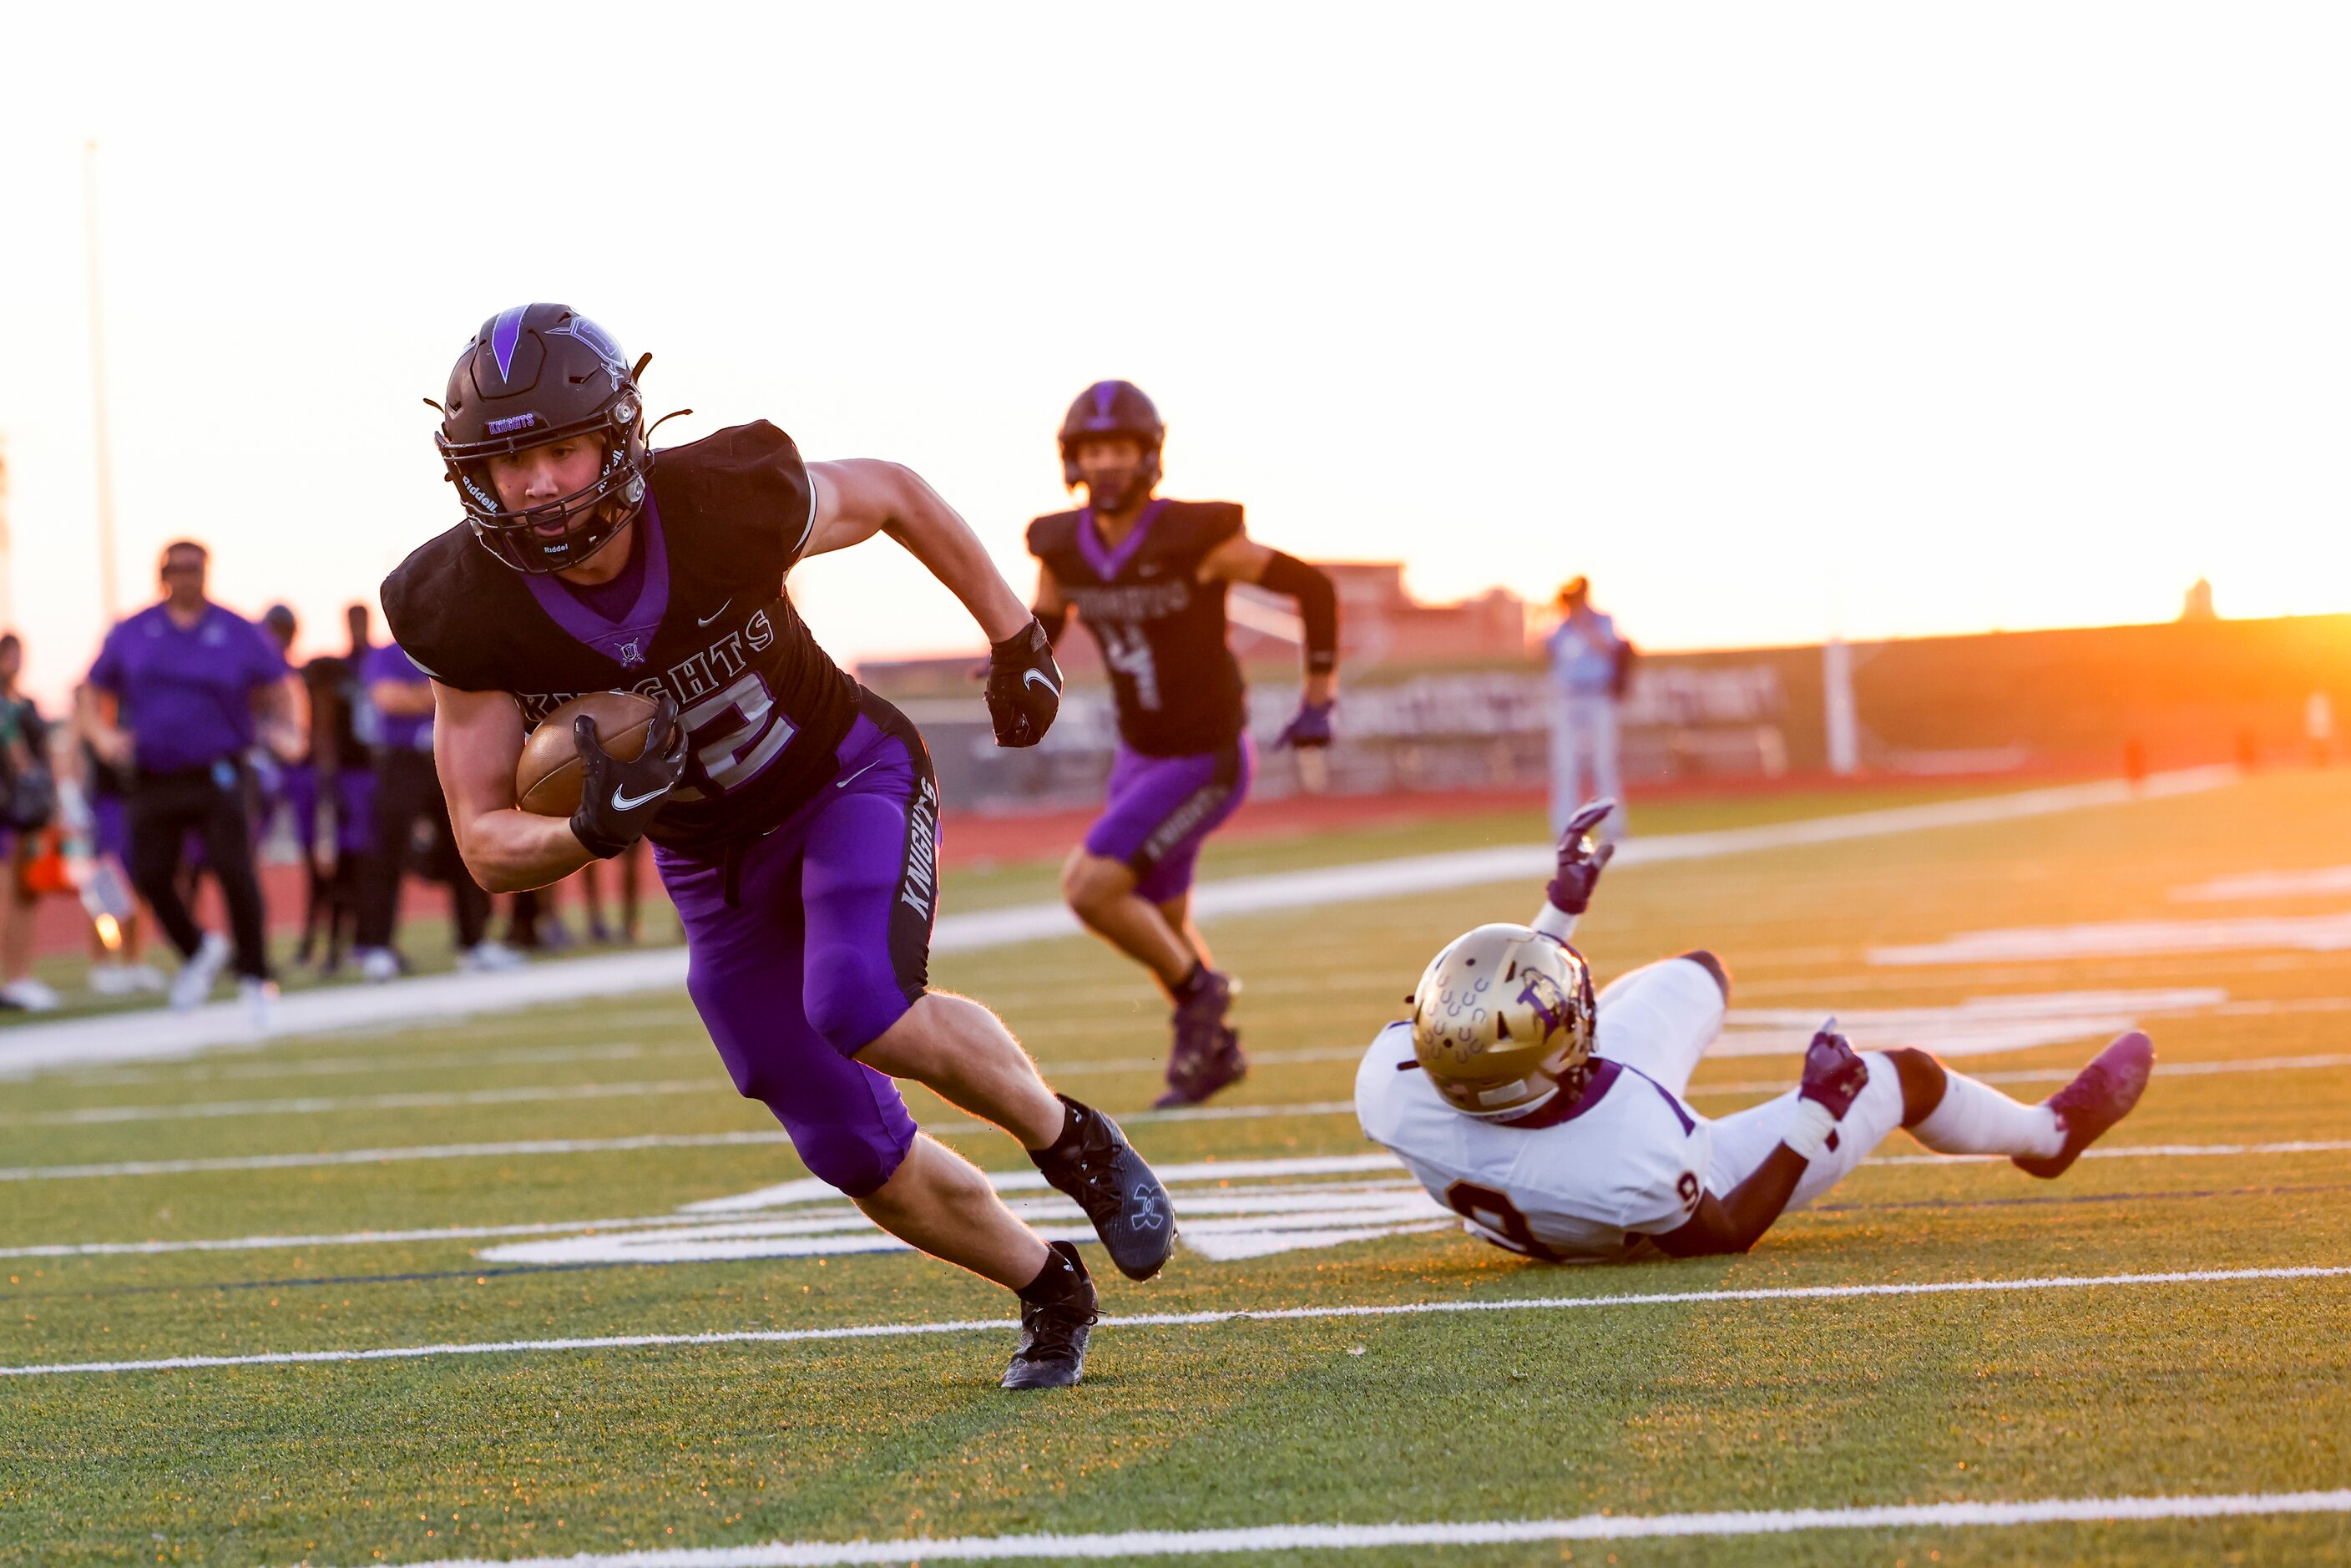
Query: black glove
(1310, 728)
(1024, 686)
(1580, 860)
(618, 800)
(1833, 1075)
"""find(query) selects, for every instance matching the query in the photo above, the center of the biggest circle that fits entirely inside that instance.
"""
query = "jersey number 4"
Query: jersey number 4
(1126, 650)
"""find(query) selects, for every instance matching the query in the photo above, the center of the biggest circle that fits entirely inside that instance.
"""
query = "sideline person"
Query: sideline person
(179, 688)
(1589, 666)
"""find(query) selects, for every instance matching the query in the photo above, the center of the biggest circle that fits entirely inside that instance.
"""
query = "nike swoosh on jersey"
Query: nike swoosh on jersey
(706, 620)
(844, 783)
(1037, 678)
(622, 801)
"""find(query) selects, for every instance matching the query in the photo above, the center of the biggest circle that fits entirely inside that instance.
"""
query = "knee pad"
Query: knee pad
(855, 1158)
(1713, 967)
(851, 998)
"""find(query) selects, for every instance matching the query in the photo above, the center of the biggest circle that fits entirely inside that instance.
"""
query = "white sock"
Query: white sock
(1977, 1119)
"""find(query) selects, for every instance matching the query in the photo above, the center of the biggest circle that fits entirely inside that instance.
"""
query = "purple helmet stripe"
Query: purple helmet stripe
(506, 334)
(1104, 393)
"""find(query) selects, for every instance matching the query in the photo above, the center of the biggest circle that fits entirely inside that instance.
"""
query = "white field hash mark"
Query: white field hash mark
(1463, 1532)
(1197, 1320)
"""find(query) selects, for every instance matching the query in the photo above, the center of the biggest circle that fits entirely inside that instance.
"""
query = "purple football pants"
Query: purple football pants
(1162, 808)
(825, 945)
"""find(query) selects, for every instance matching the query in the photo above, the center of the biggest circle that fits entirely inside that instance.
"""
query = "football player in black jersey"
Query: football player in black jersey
(793, 815)
(1147, 576)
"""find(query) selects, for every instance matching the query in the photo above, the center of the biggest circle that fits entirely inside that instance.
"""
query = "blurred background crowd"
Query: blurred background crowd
(222, 803)
(203, 789)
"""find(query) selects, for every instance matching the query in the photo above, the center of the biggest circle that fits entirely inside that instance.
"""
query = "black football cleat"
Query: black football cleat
(1207, 1054)
(1111, 1182)
(2100, 1095)
(1193, 1075)
(1052, 1349)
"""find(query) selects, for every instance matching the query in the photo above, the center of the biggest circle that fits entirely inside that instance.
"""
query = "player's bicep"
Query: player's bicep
(477, 745)
(854, 500)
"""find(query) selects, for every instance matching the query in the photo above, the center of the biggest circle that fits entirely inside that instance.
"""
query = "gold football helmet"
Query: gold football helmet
(1502, 1020)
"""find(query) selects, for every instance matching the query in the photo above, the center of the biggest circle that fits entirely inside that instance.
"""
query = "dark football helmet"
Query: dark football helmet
(1114, 408)
(535, 374)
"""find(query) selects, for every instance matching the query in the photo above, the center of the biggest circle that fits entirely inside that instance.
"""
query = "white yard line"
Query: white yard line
(157, 1034)
(320, 1104)
(1132, 1543)
(1942, 1031)
(1198, 1319)
(722, 1140)
(528, 1146)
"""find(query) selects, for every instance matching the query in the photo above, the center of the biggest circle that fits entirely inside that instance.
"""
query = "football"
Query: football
(546, 779)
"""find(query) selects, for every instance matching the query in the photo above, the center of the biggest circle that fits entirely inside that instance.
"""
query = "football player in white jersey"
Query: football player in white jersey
(1553, 1121)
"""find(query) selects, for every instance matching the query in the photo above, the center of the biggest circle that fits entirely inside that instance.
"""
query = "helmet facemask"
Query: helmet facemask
(592, 515)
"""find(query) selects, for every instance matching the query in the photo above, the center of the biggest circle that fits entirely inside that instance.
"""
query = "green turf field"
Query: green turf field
(2185, 1387)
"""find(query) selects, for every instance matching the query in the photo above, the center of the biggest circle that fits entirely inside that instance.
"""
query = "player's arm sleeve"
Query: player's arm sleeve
(1317, 607)
(1555, 923)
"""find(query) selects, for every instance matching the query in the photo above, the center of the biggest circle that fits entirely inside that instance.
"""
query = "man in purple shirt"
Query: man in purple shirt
(185, 679)
(408, 789)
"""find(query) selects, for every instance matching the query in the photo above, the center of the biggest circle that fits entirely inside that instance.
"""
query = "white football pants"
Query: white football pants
(1584, 758)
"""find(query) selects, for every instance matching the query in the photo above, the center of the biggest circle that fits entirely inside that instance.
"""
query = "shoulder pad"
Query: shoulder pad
(1055, 531)
(747, 473)
(426, 603)
(1206, 524)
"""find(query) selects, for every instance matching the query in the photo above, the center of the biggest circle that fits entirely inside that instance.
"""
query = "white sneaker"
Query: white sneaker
(30, 994)
(111, 981)
(195, 981)
(378, 964)
(490, 959)
(144, 978)
(260, 998)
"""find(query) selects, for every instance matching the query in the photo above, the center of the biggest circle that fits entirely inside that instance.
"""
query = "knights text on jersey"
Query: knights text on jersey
(1162, 631)
(763, 706)
(1626, 1162)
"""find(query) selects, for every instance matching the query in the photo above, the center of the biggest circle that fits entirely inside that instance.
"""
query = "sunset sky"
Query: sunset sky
(1774, 319)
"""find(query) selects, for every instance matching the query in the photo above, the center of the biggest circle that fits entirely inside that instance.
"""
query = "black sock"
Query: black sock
(1063, 1275)
(1190, 986)
(1064, 1145)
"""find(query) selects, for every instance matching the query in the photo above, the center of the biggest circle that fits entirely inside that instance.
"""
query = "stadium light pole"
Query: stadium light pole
(8, 562)
(102, 440)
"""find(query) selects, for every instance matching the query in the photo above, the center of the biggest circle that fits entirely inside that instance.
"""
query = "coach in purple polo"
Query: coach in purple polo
(186, 680)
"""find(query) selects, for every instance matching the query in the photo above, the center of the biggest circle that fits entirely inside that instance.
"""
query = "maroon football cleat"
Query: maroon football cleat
(2100, 1095)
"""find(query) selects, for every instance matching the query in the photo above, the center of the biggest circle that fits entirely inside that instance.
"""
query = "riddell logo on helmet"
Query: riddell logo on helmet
(516, 422)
